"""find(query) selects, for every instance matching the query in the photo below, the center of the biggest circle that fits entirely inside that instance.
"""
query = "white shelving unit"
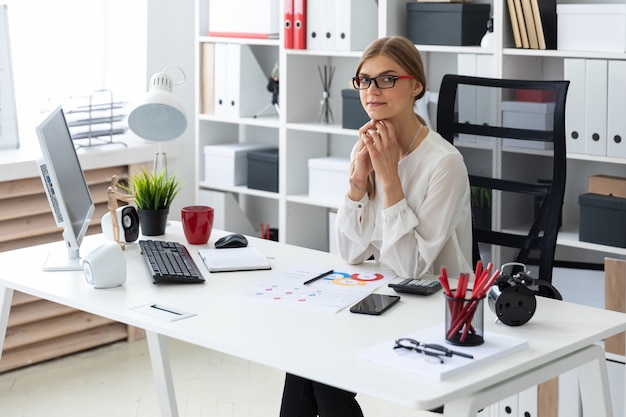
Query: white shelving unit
(299, 136)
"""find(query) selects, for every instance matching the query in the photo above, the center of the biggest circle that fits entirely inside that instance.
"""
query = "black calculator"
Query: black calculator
(420, 286)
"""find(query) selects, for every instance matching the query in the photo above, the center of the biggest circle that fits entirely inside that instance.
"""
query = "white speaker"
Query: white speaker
(105, 266)
(128, 221)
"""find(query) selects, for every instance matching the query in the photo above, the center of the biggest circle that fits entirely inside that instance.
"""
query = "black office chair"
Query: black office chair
(528, 182)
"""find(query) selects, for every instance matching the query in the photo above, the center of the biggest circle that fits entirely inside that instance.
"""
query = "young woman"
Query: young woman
(408, 203)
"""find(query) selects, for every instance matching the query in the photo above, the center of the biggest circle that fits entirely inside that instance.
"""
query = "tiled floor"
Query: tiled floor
(117, 381)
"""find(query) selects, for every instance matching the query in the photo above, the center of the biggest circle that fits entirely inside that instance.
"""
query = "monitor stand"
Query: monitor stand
(61, 258)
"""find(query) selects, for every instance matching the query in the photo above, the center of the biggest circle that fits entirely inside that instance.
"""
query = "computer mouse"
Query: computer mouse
(234, 240)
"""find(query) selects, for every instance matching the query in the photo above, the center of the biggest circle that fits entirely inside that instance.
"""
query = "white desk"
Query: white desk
(321, 346)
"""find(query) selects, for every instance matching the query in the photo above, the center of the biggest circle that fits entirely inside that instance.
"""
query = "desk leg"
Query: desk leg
(162, 374)
(595, 392)
(591, 364)
(6, 296)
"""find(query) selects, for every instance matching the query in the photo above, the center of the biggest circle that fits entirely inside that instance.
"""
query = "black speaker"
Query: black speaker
(128, 221)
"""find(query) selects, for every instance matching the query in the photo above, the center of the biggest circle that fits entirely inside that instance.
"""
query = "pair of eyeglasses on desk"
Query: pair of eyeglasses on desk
(430, 351)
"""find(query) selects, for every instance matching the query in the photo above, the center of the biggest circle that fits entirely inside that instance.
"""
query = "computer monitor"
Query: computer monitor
(67, 191)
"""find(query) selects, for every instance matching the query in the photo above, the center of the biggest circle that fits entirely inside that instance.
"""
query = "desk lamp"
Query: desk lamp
(159, 116)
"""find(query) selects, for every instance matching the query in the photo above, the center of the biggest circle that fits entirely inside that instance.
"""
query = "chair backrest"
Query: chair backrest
(523, 123)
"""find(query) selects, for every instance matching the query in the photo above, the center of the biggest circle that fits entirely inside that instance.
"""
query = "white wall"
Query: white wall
(171, 40)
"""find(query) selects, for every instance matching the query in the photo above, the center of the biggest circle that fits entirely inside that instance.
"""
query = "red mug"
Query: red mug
(197, 223)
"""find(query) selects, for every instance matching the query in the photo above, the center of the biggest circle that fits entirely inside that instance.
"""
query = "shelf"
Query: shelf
(568, 237)
(262, 120)
(242, 41)
(238, 190)
(323, 128)
(596, 158)
(305, 199)
(456, 49)
(551, 53)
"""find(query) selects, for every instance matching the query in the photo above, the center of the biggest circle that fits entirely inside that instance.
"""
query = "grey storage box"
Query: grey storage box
(353, 114)
(458, 24)
(602, 219)
(263, 169)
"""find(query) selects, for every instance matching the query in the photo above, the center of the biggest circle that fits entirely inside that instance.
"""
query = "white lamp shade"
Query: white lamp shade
(159, 116)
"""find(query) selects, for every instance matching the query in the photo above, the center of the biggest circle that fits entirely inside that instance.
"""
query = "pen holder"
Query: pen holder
(464, 325)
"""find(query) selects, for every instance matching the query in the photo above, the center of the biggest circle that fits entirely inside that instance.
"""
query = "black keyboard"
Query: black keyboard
(170, 262)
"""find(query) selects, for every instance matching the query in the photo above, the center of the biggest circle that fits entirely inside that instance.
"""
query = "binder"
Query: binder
(240, 83)
(207, 98)
(520, 21)
(220, 81)
(533, 41)
(574, 71)
(355, 24)
(538, 24)
(517, 38)
(616, 103)
(288, 23)
(300, 23)
(596, 92)
(321, 25)
(475, 103)
(544, 12)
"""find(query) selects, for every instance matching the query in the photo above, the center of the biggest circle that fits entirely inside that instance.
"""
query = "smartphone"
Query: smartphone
(375, 304)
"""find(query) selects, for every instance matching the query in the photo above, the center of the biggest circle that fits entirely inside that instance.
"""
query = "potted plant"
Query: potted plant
(481, 207)
(153, 194)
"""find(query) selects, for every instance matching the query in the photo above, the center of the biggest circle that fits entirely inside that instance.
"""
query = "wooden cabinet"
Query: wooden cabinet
(38, 329)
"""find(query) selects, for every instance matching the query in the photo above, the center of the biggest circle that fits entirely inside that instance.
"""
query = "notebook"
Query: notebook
(234, 259)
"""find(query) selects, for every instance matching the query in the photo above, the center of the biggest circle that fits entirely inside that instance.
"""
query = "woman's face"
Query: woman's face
(387, 103)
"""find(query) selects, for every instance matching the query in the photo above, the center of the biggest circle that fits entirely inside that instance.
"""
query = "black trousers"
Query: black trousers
(305, 398)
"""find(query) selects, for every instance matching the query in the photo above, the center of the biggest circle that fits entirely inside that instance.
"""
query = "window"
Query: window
(70, 48)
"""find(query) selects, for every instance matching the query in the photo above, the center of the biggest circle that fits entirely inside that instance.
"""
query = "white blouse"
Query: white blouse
(429, 229)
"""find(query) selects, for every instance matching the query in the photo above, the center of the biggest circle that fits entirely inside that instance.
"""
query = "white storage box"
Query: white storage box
(226, 164)
(527, 115)
(328, 178)
(591, 27)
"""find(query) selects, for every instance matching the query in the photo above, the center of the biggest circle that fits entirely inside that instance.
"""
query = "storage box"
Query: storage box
(607, 185)
(457, 24)
(328, 178)
(527, 115)
(263, 169)
(226, 164)
(591, 27)
(353, 114)
(602, 219)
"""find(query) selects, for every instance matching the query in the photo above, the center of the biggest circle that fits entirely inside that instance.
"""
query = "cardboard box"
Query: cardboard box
(607, 185)
(263, 169)
(591, 27)
(353, 114)
(328, 178)
(226, 164)
(602, 219)
(459, 24)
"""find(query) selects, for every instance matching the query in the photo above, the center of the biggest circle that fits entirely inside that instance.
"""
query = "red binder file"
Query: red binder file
(299, 31)
(288, 23)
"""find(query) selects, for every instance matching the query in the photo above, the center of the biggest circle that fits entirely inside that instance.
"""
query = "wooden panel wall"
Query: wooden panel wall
(40, 330)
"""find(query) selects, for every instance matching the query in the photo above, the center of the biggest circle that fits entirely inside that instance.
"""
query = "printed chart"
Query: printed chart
(331, 293)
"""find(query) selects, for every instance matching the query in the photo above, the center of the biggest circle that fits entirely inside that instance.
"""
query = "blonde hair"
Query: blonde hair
(405, 54)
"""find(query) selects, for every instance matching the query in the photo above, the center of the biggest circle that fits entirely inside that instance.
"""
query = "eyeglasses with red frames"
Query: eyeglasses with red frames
(361, 82)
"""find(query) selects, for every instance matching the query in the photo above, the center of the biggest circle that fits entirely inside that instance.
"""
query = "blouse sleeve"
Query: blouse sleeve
(355, 228)
(413, 237)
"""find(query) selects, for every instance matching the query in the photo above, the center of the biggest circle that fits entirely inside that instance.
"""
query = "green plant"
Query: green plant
(153, 191)
(480, 197)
